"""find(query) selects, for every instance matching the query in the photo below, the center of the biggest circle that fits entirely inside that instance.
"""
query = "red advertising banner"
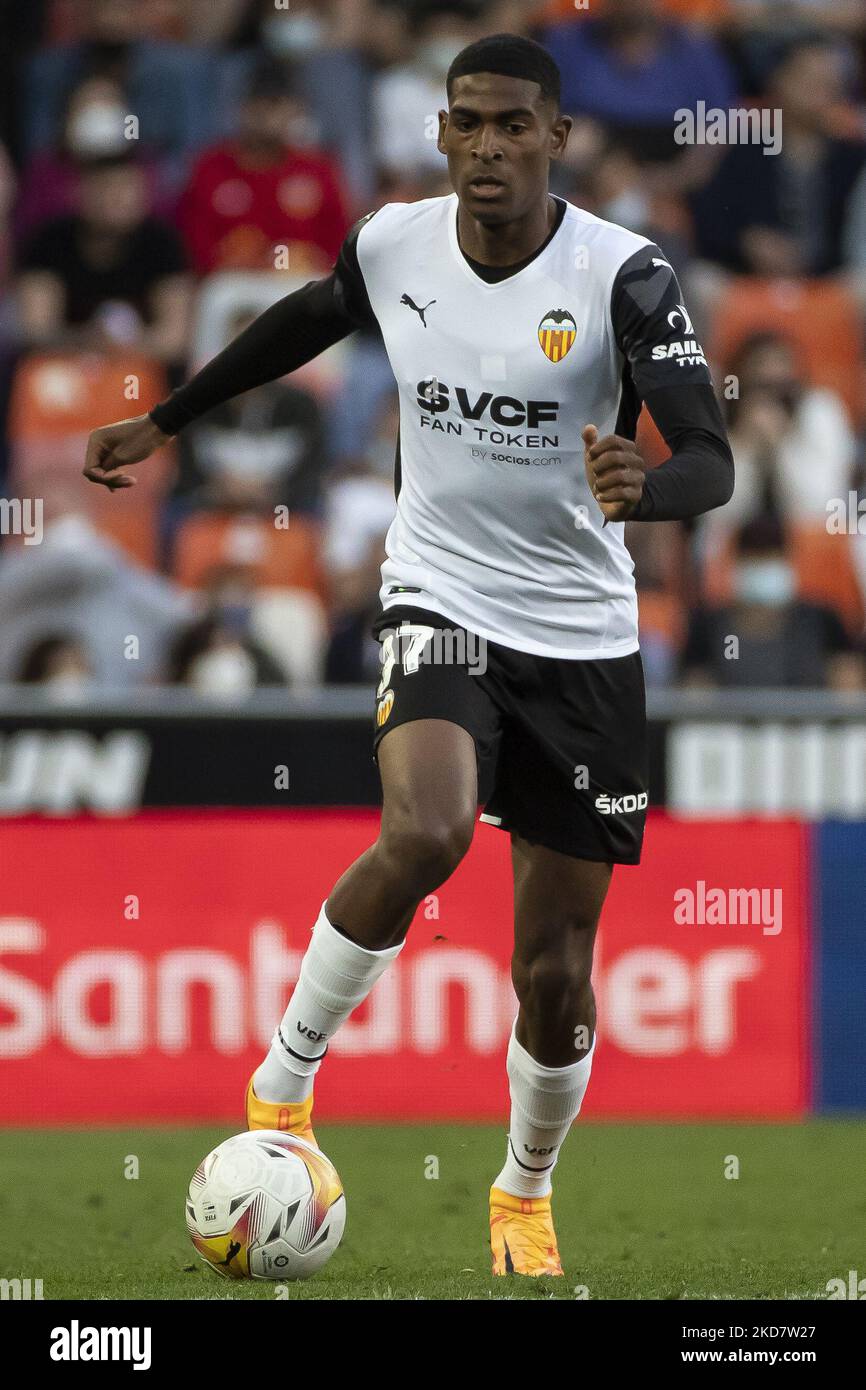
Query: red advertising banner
(144, 963)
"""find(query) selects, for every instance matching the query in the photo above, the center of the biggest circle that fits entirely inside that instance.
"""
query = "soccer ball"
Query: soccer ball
(265, 1205)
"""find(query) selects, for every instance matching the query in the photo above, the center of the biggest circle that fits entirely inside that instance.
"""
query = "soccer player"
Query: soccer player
(524, 335)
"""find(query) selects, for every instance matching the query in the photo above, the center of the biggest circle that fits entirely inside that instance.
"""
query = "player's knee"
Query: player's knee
(547, 979)
(427, 851)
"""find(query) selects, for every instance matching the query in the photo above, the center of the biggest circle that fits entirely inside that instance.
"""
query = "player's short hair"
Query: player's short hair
(509, 55)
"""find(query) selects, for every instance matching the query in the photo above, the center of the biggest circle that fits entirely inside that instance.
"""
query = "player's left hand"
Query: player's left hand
(615, 472)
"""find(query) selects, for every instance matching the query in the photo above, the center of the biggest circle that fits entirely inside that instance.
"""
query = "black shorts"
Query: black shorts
(567, 738)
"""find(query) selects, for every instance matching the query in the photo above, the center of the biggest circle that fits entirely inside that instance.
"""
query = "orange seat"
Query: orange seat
(56, 394)
(281, 558)
(133, 528)
(826, 573)
(819, 316)
(823, 564)
(57, 399)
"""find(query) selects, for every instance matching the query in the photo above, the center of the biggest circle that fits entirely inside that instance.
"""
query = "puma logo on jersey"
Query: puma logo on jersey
(410, 304)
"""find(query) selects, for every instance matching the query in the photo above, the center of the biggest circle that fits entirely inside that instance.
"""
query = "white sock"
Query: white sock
(544, 1103)
(336, 976)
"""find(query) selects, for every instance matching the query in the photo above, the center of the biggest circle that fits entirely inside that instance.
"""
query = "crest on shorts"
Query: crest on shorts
(384, 708)
(556, 333)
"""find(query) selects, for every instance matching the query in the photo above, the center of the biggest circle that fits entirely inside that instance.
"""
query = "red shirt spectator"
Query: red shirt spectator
(258, 192)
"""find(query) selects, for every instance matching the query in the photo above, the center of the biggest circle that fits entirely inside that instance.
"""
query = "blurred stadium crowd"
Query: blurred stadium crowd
(168, 168)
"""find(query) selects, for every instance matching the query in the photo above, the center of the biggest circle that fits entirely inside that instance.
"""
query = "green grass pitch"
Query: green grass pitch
(643, 1211)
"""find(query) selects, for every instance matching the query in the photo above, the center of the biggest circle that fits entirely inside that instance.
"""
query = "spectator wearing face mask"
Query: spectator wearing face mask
(219, 654)
(767, 636)
(329, 47)
(215, 661)
(171, 87)
(95, 126)
(618, 188)
(259, 190)
(406, 99)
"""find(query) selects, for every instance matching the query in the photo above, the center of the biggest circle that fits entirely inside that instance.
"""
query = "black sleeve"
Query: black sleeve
(286, 336)
(665, 368)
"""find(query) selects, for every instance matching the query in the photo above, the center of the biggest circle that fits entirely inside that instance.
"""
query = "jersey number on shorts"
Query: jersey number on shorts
(412, 639)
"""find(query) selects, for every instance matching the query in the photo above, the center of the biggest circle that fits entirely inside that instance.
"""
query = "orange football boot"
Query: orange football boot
(293, 1118)
(522, 1237)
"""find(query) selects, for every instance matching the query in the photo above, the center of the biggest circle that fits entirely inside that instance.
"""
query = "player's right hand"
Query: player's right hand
(114, 447)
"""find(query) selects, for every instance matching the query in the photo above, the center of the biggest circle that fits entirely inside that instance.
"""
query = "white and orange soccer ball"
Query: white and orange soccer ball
(265, 1205)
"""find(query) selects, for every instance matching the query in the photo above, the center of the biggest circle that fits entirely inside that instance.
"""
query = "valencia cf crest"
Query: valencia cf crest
(556, 333)
(384, 708)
